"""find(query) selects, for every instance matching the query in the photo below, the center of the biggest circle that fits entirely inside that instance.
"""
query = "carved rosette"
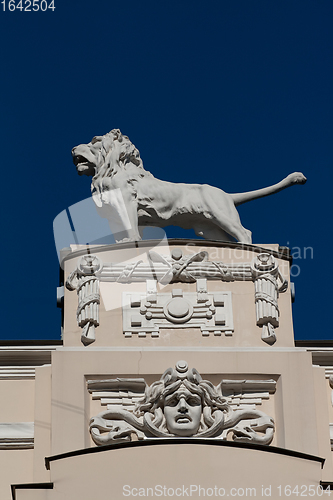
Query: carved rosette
(180, 404)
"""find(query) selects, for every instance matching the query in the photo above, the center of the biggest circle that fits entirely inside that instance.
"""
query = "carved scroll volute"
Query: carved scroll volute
(268, 281)
(86, 284)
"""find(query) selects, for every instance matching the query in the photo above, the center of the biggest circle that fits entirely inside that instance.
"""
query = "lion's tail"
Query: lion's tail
(290, 180)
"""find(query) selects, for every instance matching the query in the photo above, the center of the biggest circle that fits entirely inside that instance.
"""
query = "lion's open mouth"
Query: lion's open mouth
(83, 165)
(80, 160)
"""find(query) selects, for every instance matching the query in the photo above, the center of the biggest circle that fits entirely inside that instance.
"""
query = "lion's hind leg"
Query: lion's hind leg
(234, 228)
(223, 214)
(213, 230)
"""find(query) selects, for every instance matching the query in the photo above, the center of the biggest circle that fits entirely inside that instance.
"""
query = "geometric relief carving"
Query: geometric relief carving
(146, 313)
(247, 393)
(122, 393)
(181, 404)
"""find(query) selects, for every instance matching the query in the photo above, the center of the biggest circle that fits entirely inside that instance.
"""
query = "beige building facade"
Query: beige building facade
(177, 376)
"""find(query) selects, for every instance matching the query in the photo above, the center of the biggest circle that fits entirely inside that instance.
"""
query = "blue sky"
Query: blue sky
(236, 94)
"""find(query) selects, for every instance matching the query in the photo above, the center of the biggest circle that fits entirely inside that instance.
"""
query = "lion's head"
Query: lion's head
(103, 158)
(105, 155)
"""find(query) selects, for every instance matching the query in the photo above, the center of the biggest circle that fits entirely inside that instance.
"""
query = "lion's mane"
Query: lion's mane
(128, 158)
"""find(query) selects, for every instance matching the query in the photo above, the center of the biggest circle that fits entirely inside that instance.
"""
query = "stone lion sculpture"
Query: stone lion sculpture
(130, 197)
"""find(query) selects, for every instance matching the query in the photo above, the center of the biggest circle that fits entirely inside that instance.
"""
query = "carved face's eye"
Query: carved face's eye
(194, 401)
(173, 401)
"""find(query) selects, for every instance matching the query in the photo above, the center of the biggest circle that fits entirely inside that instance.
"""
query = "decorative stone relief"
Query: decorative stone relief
(181, 404)
(175, 269)
(146, 313)
(268, 282)
(85, 282)
(246, 394)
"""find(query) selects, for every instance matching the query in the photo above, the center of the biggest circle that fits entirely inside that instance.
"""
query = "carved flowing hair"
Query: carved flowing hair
(214, 406)
(128, 157)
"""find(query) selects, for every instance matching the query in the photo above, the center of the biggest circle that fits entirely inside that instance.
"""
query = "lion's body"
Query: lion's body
(129, 196)
(189, 206)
